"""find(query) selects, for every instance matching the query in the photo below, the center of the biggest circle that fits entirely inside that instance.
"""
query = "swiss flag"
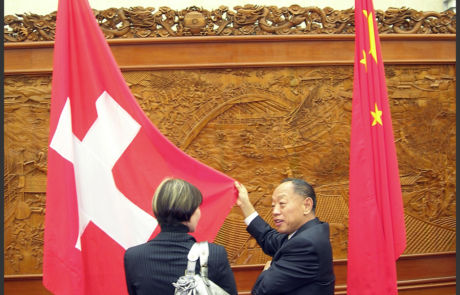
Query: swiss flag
(105, 160)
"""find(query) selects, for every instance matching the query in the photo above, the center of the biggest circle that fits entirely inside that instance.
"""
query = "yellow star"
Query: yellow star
(370, 22)
(377, 116)
(363, 60)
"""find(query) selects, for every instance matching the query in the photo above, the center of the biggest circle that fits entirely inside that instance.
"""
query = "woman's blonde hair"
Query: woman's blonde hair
(175, 200)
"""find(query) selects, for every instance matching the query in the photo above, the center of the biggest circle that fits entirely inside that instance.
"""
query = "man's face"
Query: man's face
(288, 209)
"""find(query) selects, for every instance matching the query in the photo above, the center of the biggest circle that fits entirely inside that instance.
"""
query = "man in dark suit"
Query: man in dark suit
(300, 247)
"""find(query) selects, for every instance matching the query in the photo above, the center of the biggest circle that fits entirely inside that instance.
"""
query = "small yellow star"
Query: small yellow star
(377, 116)
(363, 60)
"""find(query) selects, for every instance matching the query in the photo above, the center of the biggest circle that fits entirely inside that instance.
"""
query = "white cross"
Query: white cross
(93, 158)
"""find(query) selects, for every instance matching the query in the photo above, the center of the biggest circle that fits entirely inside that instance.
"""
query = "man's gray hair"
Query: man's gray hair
(302, 188)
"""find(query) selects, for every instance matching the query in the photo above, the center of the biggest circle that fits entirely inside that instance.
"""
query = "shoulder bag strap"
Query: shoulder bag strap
(192, 257)
(204, 253)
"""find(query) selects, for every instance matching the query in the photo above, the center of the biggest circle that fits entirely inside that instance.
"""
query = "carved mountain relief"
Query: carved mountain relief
(258, 126)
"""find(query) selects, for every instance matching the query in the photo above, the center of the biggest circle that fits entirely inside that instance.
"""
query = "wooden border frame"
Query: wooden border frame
(421, 274)
(417, 274)
(240, 52)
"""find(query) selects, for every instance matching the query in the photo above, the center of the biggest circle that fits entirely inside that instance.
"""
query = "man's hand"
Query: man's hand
(243, 200)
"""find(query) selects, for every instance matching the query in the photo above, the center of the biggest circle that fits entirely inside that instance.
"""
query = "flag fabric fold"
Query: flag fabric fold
(376, 236)
(105, 159)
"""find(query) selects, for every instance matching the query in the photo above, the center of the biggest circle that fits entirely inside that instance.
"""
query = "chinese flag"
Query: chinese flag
(376, 234)
(105, 159)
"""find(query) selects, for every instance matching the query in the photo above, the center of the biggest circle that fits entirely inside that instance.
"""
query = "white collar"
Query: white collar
(290, 236)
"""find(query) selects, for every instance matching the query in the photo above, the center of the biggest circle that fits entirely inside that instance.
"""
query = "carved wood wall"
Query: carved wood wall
(258, 125)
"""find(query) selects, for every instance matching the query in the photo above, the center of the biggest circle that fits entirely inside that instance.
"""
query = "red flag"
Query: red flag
(376, 234)
(104, 162)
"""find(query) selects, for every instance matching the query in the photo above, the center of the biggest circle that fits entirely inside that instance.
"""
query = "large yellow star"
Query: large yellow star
(377, 116)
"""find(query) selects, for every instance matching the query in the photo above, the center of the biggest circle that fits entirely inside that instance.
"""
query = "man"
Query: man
(300, 247)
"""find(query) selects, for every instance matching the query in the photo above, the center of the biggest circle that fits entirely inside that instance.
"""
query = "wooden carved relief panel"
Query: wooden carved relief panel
(26, 121)
(140, 22)
(258, 125)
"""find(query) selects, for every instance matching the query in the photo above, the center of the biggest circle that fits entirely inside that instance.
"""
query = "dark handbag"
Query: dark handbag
(197, 284)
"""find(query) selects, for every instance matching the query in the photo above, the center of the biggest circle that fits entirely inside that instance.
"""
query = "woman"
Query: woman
(151, 268)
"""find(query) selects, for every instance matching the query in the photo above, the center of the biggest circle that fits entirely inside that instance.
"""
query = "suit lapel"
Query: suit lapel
(286, 241)
(306, 226)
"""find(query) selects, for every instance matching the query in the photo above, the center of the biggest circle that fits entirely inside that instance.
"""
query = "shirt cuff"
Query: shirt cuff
(251, 217)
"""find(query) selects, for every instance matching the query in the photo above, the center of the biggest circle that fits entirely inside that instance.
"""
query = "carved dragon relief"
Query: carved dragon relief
(258, 126)
(140, 22)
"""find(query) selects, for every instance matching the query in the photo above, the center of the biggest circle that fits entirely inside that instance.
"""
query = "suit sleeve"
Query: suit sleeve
(298, 265)
(220, 271)
(268, 238)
